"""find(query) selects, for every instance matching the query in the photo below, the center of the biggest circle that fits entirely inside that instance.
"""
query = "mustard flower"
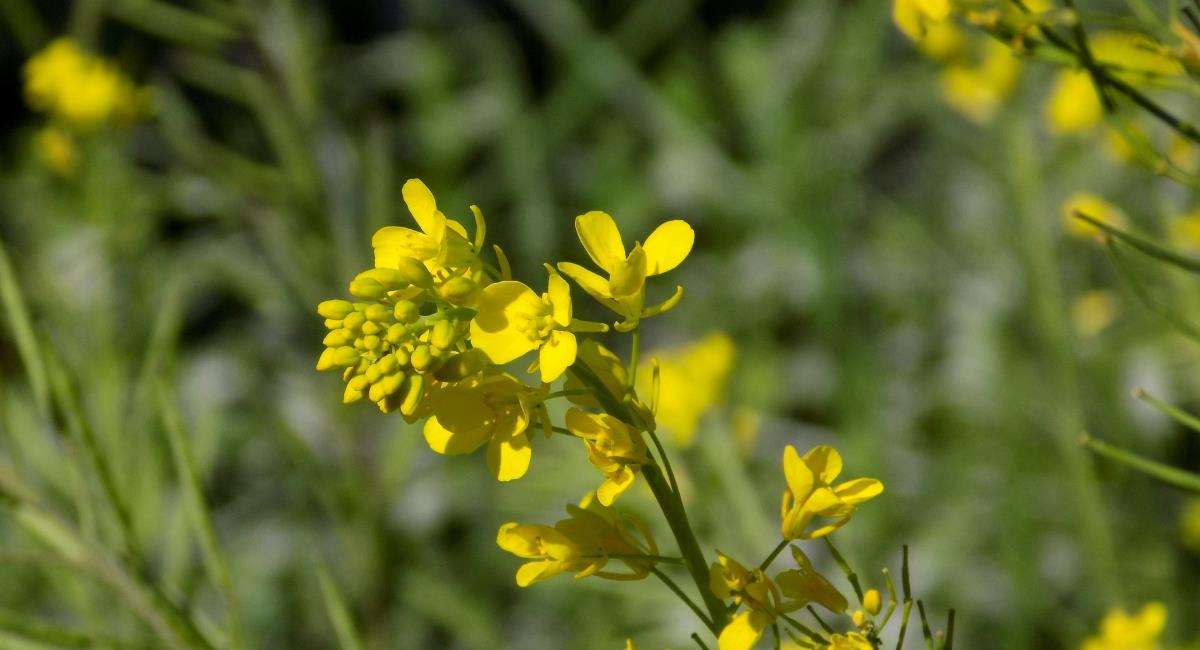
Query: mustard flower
(692, 380)
(613, 375)
(1093, 311)
(624, 291)
(496, 409)
(976, 90)
(727, 578)
(79, 88)
(851, 641)
(915, 17)
(1184, 232)
(613, 447)
(810, 492)
(1120, 631)
(512, 320)
(805, 585)
(439, 257)
(581, 544)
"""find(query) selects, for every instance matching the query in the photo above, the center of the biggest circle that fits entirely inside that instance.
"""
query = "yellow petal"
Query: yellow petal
(615, 485)
(1074, 105)
(592, 283)
(628, 277)
(743, 631)
(859, 490)
(601, 239)
(825, 462)
(509, 455)
(560, 298)
(909, 19)
(393, 242)
(822, 501)
(799, 477)
(584, 424)
(936, 10)
(557, 354)
(422, 205)
(493, 329)
(668, 246)
(445, 441)
(532, 572)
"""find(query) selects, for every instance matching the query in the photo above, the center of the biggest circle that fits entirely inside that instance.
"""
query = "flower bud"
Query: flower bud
(872, 601)
(422, 358)
(413, 391)
(354, 389)
(335, 309)
(391, 279)
(376, 312)
(415, 272)
(354, 321)
(373, 373)
(345, 356)
(396, 333)
(457, 289)
(406, 312)
(391, 383)
(858, 618)
(444, 335)
(337, 338)
(370, 327)
(372, 342)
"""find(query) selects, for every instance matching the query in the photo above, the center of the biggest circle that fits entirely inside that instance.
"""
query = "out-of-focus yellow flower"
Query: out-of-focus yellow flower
(1120, 631)
(1184, 232)
(629, 645)
(1189, 524)
(1094, 207)
(692, 379)
(805, 585)
(624, 291)
(79, 88)
(915, 17)
(613, 448)
(497, 410)
(56, 148)
(582, 544)
(810, 492)
(1188, 50)
(1074, 104)
(1093, 311)
(851, 641)
(513, 320)
(976, 91)
(944, 41)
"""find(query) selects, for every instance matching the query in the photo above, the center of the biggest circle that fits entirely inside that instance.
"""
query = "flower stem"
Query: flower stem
(774, 554)
(666, 580)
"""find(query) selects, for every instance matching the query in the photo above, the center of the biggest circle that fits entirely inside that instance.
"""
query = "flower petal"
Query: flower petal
(601, 239)
(445, 441)
(628, 277)
(743, 631)
(859, 490)
(799, 477)
(560, 298)
(393, 242)
(494, 329)
(825, 462)
(509, 455)
(668, 246)
(595, 285)
(423, 207)
(557, 354)
(615, 485)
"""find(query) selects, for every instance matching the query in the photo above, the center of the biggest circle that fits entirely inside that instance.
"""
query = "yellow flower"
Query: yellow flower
(77, 87)
(512, 320)
(613, 375)
(692, 380)
(624, 291)
(56, 147)
(613, 448)
(915, 17)
(442, 247)
(497, 409)
(727, 578)
(1094, 207)
(1120, 631)
(582, 544)
(944, 41)
(805, 585)
(1093, 311)
(976, 91)
(810, 492)
(851, 641)
(1184, 232)
(1074, 105)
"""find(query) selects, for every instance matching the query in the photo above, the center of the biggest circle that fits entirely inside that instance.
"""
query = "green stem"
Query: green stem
(633, 360)
(804, 629)
(666, 580)
(1165, 473)
(1186, 419)
(774, 554)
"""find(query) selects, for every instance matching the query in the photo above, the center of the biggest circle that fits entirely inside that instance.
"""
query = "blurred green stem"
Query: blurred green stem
(1165, 473)
(1056, 347)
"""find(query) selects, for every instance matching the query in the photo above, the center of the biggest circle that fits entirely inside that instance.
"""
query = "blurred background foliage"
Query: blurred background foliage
(895, 280)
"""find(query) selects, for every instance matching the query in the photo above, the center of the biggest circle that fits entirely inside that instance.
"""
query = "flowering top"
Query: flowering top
(811, 493)
(613, 448)
(1121, 631)
(79, 88)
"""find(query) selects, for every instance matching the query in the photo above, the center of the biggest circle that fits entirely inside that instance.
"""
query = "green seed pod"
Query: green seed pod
(335, 309)
(415, 272)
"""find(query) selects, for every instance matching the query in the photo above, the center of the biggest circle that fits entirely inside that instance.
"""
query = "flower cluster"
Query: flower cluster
(79, 91)
(429, 332)
(1122, 631)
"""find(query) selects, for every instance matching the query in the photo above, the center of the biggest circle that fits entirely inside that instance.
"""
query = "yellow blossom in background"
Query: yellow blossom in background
(1183, 232)
(1189, 524)
(915, 17)
(1094, 207)
(692, 379)
(944, 41)
(580, 544)
(624, 291)
(851, 641)
(79, 88)
(977, 90)
(613, 448)
(497, 410)
(1074, 104)
(1120, 631)
(810, 492)
(57, 150)
(1093, 311)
